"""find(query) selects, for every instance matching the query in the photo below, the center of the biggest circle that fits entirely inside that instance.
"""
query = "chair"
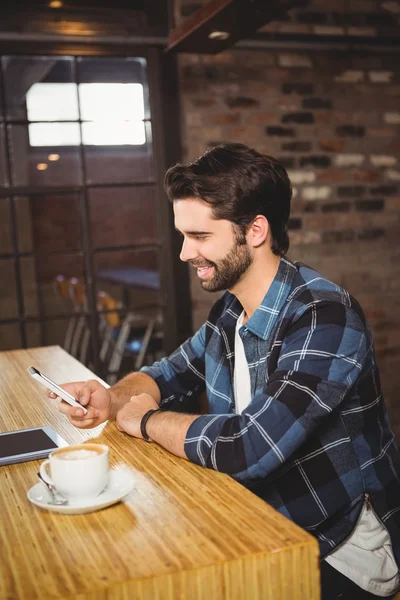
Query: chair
(130, 337)
(81, 336)
(61, 287)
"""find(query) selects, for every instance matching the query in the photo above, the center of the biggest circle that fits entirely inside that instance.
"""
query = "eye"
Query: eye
(201, 237)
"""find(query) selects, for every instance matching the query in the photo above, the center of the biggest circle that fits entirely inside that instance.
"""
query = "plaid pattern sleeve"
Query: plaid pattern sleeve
(320, 358)
(182, 373)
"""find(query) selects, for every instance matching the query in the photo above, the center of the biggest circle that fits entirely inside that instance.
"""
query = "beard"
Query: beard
(229, 269)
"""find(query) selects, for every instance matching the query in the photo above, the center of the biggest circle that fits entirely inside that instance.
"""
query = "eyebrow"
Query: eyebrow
(194, 232)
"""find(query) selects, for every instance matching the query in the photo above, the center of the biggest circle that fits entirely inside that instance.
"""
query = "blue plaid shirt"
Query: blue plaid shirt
(315, 440)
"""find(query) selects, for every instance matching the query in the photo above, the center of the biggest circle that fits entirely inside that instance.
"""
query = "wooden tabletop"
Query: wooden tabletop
(185, 532)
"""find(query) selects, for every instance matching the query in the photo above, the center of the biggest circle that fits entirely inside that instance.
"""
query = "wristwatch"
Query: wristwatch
(143, 423)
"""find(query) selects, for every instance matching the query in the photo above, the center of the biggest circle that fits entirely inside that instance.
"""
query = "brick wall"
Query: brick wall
(333, 119)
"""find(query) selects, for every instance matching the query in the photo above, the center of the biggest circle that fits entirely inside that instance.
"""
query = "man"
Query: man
(296, 412)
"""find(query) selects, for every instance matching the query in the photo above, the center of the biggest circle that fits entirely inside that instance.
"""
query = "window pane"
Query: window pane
(112, 70)
(8, 296)
(131, 277)
(23, 77)
(24, 223)
(54, 222)
(122, 216)
(54, 331)
(52, 102)
(122, 163)
(10, 338)
(111, 101)
(52, 302)
(3, 169)
(115, 133)
(5, 227)
(33, 335)
(29, 286)
(54, 134)
(44, 165)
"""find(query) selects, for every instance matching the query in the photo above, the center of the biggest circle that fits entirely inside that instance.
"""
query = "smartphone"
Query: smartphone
(29, 444)
(51, 385)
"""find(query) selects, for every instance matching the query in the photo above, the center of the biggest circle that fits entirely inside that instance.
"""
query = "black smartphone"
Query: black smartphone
(28, 444)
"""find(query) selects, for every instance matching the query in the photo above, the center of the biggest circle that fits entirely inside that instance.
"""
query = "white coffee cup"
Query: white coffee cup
(79, 472)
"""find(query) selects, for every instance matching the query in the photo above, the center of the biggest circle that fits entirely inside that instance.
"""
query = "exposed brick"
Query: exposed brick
(329, 237)
(297, 146)
(294, 224)
(371, 234)
(392, 118)
(294, 60)
(381, 132)
(336, 207)
(199, 102)
(315, 103)
(303, 89)
(381, 76)
(332, 175)
(287, 161)
(384, 190)
(261, 118)
(349, 160)
(309, 207)
(243, 133)
(350, 77)
(194, 119)
(392, 204)
(315, 161)
(304, 237)
(382, 160)
(366, 175)
(370, 205)
(299, 117)
(316, 193)
(354, 191)
(350, 131)
(280, 131)
(393, 175)
(299, 177)
(224, 119)
(242, 102)
(332, 145)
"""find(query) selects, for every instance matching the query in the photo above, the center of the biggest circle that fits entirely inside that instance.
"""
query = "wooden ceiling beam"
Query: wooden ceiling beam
(234, 19)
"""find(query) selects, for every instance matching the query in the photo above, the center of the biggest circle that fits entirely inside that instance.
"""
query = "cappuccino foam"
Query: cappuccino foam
(80, 454)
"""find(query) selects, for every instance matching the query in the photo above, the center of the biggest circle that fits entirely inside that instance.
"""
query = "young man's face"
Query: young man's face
(220, 255)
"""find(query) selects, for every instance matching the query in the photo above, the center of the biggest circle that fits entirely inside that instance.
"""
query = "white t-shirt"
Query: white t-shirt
(366, 557)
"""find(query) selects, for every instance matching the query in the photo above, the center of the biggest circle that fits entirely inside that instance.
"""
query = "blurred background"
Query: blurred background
(98, 99)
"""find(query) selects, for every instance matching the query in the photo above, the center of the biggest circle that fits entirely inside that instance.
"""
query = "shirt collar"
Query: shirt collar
(261, 323)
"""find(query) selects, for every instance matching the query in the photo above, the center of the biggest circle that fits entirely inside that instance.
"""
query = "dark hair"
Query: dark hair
(239, 183)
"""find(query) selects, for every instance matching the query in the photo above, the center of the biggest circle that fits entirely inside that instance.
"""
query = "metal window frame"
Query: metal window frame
(163, 94)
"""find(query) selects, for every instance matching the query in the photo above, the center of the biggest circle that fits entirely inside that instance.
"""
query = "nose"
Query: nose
(188, 251)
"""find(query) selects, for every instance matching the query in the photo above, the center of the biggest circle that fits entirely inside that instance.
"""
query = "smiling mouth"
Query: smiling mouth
(203, 272)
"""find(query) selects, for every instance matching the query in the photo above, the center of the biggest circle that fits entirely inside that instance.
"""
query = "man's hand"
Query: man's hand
(93, 396)
(129, 417)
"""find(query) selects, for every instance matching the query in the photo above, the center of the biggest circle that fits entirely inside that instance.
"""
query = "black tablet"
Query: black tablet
(28, 444)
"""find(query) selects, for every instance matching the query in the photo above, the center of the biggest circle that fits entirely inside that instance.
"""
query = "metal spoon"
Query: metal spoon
(57, 498)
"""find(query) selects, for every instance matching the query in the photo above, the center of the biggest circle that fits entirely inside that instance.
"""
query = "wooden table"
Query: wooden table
(184, 532)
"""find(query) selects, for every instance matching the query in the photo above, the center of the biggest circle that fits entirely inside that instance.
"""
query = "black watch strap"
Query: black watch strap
(143, 423)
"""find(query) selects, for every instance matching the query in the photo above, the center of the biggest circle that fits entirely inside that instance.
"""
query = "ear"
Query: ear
(258, 231)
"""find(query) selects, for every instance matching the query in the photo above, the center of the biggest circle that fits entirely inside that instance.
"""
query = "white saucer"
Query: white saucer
(121, 483)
